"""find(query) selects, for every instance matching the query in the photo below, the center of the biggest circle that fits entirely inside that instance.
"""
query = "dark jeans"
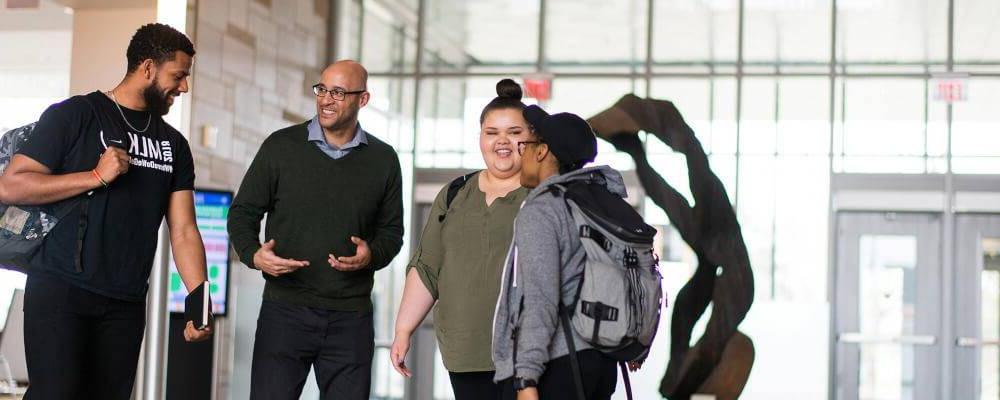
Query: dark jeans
(339, 345)
(79, 344)
(477, 385)
(600, 376)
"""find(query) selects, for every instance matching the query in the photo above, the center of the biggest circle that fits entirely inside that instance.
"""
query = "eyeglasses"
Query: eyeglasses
(521, 145)
(337, 93)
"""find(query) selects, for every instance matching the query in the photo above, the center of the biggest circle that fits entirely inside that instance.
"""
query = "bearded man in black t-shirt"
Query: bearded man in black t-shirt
(125, 168)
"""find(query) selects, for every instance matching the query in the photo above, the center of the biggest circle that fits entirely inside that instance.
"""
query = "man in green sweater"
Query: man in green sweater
(332, 194)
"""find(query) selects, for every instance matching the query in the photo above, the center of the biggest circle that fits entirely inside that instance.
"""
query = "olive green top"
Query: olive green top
(459, 260)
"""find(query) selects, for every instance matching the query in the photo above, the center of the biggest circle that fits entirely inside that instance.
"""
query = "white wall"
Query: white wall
(100, 38)
(31, 79)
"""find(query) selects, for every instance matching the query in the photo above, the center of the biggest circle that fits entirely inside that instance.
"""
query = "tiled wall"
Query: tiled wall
(252, 75)
(256, 61)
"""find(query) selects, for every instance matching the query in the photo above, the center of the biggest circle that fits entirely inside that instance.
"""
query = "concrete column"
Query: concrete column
(154, 361)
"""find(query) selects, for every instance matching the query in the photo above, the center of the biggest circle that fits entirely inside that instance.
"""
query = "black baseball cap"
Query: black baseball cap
(568, 136)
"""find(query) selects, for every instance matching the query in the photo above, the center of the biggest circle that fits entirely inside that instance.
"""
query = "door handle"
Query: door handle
(976, 342)
(856, 337)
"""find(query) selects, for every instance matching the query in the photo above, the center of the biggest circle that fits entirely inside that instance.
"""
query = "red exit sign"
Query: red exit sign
(950, 88)
(538, 85)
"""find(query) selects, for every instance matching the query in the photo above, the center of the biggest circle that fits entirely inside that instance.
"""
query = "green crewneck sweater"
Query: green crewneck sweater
(314, 204)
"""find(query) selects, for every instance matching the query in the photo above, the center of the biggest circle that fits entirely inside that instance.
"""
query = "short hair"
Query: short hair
(158, 42)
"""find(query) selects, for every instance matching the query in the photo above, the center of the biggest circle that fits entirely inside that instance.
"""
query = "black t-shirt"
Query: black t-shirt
(122, 221)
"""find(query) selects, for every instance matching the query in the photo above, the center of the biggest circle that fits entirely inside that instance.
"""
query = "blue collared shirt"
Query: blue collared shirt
(316, 136)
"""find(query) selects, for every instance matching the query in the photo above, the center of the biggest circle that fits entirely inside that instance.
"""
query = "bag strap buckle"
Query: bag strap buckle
(630, 257)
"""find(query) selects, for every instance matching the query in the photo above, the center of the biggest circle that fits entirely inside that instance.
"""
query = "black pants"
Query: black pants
(339, 345)
(477, 385)
(600, 376)
(79, 344)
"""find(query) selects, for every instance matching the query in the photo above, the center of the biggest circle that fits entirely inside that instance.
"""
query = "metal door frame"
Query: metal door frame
(970, 229)
(847, 338)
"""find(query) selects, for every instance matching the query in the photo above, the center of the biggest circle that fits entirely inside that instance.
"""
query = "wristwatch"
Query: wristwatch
(522, 383)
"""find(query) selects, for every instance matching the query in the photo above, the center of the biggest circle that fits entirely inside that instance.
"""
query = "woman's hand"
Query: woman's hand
(527, 394)
(634, 365)
(397, 353)
(413, 307)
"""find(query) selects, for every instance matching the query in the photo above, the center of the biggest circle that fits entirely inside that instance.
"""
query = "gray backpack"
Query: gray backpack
(23, 228)
(619, 298)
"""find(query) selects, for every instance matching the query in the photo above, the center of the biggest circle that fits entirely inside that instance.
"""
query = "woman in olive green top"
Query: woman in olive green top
(460, 257)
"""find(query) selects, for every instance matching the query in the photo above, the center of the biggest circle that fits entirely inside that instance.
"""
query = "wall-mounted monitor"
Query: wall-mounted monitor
(211, 209)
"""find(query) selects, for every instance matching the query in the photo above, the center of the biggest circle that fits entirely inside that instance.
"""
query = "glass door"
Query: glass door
(886, 306)
(977, 307)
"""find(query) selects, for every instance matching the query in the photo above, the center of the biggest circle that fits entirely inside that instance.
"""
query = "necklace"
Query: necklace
(112, 93)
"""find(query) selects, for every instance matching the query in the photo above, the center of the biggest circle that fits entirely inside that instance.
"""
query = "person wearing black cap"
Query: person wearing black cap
(545, 259)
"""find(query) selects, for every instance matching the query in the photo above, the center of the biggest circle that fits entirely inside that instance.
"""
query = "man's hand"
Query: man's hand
(265, 260)
(113, 163)
(194, 335)
(527, 394)
(400, 346)
(360, 260)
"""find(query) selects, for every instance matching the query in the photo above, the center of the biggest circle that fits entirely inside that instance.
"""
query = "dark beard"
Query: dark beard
(156, 100)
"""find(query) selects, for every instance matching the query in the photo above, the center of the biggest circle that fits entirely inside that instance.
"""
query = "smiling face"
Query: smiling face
(346, 76)
(499, 134)
(167, 80)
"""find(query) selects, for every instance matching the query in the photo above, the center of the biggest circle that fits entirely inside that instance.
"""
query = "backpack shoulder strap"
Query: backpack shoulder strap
(83, 200)
(125, 142)
(453, 188)
(574, 362)
(456, 185)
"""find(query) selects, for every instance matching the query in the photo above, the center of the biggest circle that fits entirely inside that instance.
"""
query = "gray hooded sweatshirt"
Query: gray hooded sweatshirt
(542, 269)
